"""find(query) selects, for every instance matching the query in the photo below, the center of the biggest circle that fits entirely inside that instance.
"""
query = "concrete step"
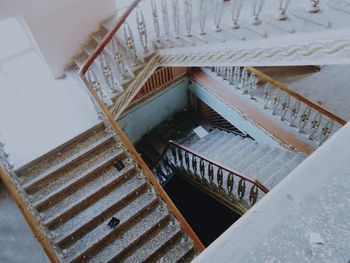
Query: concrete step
(284, 171)
(77, 177)
(91, 243)
(86, 195)
(121, 244)
(63, 154)
(50, 175)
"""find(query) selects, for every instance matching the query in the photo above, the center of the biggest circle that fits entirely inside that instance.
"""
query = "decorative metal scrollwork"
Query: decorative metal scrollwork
(219, 177)
(202, 168)
(241, 188)
(253, 195)
(211, 172)
(315, 124)
(129, 40)
(230, 182)
(194, 164)
(187, 160)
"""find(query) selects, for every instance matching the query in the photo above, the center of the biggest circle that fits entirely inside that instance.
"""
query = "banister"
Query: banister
(284, 88)
(222, 166)
(108, 38)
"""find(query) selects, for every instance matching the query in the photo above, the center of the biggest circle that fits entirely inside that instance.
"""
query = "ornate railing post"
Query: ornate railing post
(176, 17)
(141, 27)
(219, 8)
(202, 15)
(188, 17)
(155, 19)
(283, 9)
(236, 10)
(257, 8)
(129, 39)
(165, 18)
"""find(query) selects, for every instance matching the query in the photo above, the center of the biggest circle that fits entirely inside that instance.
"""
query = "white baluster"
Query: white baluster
(176, 17)
(118, 58)
(304, 119)
(93, 80)
(202, 15)
(219, 8)
(283, 9)
(188, 17)
(236, 10)
(257, 8)
(276, 102)
(107, 71)
(165, 18)
(314, 8)
(141, 27)
(129, 39)
(155, 19)
(285, 106)
(294, 113)
(315, 124)
(326, 131)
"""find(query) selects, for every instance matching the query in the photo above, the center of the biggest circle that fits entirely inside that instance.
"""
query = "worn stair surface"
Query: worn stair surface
(75, 190)
(265, 163)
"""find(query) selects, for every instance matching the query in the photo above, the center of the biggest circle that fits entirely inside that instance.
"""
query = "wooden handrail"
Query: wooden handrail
(108, 37)
(220, 165)
(32, 222)
(284, 88)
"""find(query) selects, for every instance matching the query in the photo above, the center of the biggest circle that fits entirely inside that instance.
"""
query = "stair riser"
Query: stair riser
(92, 250)
(175, 238)
(37, 185)
(67, 241)
(32, 167)
(53, 200)
(68, 214)
(139, 239)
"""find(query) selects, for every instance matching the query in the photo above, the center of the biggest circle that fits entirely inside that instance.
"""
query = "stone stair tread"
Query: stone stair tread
(176, 253)
(203, 140)
(142, 228)
(230, 139)
(213, 144)
(132, 212)
(227, 156)
(248, 147)
(259, 151)
(212, 136)
(64, 153)
(275, 165)
(74, 176)
(284, 171)
(154, 244)
(36, 182)
(95, 202)
(79, 196)
(254, 169)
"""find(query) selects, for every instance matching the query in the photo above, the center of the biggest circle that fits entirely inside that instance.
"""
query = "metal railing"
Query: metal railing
(207, 173)
(306, 117)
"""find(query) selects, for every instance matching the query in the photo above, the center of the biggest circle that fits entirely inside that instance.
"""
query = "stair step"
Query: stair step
(259, 152)
(248, 147)
(212, 145)
(154, 244)
(63, 154)
(284, 171)
(253, 170)
(271, 168)
(141, 229)
(102, 235)
(227, 139)
(76, 178)
(56, 171)
(227, 156)
(85, 195)
(207, 140)
(178, 253)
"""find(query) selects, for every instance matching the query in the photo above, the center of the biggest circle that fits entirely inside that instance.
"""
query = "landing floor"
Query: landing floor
(328, 87)
(17, 241)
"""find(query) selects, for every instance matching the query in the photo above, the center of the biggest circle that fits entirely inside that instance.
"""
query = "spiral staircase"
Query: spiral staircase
(119, 211)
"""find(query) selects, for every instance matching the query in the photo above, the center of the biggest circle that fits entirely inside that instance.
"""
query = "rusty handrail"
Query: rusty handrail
(217, 164)
(107, 38)
(284, 88)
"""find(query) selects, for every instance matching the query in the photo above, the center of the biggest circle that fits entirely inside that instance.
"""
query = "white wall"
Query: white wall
(59, 27)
